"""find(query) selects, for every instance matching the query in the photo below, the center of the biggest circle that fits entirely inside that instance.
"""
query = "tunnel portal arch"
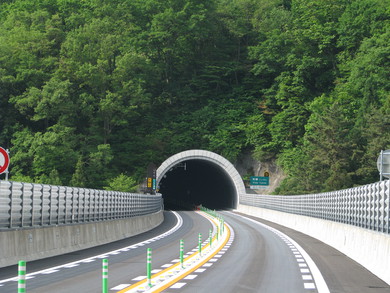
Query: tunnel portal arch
(208, 157)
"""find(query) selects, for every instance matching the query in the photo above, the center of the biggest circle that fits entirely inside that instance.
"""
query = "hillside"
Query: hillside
(93, 91)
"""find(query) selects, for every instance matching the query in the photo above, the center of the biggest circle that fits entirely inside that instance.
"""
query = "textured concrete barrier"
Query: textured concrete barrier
(369, 248)
(40, 242)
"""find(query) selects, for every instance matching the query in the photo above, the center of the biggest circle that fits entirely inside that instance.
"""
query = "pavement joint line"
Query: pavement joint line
(196, 262)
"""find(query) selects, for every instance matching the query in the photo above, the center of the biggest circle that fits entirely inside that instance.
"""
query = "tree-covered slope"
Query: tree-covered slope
(93, 91)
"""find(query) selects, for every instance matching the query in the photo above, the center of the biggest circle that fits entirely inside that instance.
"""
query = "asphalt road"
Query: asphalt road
(81, 271)
(341, 274)
(256, 259)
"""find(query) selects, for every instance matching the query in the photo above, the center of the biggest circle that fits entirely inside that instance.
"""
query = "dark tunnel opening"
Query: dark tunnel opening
(194, 182)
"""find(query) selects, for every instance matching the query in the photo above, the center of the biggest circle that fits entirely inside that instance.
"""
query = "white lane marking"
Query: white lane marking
(71, 266)
(139, 278)
(309, 285)
(83, 261)
(156, 271)
(199, 270)
(120, 287)
(177, 285)
(322, 287)
(307, 277)
(190, 277)
(50, 272)
(93, 258)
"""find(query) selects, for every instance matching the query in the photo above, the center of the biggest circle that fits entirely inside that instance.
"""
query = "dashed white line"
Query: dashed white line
(120, 287)
(190, 277)
(139, 278)
(309, 285)
(178, 285)
(307, 277)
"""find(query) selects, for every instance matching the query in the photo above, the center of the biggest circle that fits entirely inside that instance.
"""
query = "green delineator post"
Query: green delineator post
(22, 277)
(200, 244)
(105, 276)
(149, 266)
(211, 237)
(182, 253)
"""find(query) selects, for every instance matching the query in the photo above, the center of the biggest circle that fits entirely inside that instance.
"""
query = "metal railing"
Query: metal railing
(31, 205)
(365, 206)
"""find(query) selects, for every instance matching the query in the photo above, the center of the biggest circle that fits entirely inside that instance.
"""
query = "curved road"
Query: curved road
(257, 259)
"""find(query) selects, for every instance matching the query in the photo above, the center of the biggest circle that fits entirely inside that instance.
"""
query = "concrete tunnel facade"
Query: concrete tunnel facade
(196, 177)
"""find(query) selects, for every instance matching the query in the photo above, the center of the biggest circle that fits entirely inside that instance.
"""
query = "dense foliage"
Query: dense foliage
(93, 91)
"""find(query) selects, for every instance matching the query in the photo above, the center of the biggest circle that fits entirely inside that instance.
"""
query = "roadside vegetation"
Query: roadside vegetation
(93, 91)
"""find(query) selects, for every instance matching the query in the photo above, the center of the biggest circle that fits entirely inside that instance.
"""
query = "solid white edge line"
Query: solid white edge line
(90, 259)
(322, 287)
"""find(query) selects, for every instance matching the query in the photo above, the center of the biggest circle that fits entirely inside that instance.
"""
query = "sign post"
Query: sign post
(4, 162)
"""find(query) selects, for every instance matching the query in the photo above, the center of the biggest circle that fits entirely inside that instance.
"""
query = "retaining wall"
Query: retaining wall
(369, 248)
(41, 242)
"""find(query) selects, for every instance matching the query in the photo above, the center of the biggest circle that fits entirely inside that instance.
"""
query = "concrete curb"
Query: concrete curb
(369, 248)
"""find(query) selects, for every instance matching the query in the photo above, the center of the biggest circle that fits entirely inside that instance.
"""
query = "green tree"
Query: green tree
(79, 177)
(122, 183)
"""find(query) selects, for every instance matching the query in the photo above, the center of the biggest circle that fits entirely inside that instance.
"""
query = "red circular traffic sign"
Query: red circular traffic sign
(4, 160)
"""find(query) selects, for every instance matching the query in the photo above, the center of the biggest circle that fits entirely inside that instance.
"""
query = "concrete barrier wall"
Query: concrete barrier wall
(42, 242)
(369, 248)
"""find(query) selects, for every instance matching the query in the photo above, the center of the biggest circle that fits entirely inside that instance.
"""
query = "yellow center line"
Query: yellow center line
(182, 275)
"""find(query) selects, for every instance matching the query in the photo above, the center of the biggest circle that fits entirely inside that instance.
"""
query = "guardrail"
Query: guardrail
(365, 206)
(31, 205)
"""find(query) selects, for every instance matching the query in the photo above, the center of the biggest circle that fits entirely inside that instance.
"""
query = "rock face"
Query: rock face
(247, 166)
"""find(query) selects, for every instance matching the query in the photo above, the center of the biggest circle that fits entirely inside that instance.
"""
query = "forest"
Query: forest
(92, 91)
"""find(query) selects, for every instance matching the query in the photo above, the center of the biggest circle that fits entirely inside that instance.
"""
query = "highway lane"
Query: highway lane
(123, 266)
(258, 260)
(342, 274)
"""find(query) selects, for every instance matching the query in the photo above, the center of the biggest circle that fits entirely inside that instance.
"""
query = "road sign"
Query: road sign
(258, 180)
(4, 160)
(383, 164)
(151, 178)
(258, 186)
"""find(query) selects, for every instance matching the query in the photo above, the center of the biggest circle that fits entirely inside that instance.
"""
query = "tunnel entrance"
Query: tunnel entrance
(196, 182)
(198, 177)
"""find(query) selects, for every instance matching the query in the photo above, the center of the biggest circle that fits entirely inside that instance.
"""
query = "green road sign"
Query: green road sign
(258, 180)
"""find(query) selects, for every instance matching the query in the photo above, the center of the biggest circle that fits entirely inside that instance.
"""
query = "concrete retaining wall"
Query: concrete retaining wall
(369, 248)
(38, 243)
